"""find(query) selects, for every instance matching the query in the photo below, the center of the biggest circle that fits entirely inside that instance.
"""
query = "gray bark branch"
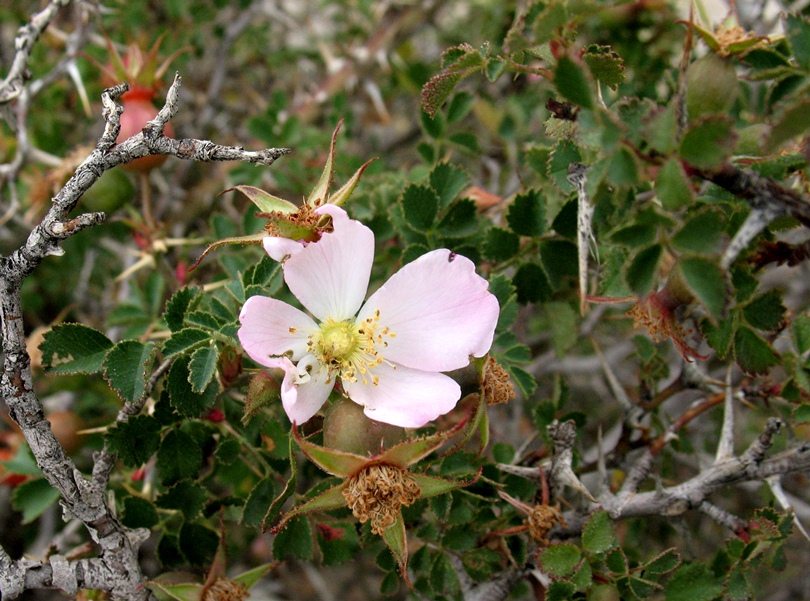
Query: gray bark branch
(116, 569)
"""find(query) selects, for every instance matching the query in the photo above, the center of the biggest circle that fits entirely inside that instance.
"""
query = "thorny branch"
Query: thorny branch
(116, 569)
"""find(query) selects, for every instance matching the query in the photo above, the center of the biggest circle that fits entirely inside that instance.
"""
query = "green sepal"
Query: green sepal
(342, 195)
(396, 540)
(289, 489)
(180, 592)
(327, 501)
(266, 202)
(411, 451)
(478, 421)
(337, 463)
(318, 195)
(432, 486)
(249, 239)
(252, 576)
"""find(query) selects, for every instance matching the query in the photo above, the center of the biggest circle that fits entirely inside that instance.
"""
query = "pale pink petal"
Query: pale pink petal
(271, 327)
(330, 276)
(439, 310)
(405, 397)
(302, 400)
(278, 248)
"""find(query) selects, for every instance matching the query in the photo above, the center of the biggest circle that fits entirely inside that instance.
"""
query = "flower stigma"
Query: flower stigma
(349, 349)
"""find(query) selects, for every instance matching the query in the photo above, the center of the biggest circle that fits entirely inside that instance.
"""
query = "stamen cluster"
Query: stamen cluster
(349, 350)
(223, 589)
(378, 492)
(496, 384)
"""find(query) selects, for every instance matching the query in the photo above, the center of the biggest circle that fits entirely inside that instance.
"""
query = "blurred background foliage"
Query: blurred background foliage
(544, 84)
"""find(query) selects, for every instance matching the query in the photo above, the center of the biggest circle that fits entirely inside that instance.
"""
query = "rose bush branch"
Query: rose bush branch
(81, 498)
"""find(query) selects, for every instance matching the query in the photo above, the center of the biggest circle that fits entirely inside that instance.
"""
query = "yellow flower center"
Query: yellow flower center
(349, 349)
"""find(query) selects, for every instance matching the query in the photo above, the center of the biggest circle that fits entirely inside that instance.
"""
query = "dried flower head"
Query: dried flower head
(223, 589)
(496, 384)
(378, 492)
(656, 313)
(541, 519)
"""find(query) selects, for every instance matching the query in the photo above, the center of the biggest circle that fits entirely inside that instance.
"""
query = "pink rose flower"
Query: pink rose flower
(388, 352)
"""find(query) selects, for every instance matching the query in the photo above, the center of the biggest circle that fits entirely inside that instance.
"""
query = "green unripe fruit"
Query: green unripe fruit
(711, 86)
(347, 428)
(109, 193)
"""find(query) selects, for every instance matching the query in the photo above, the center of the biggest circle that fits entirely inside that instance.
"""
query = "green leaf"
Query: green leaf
(598, 535)
(672, 187)
(531, 283)
(33, 497)
(801, 333)
(559, 560)
(523, 379)
(797, 30)
(203, 367)
(693, 582)
(186, 496)
(643, 269)
(500, 245)
(564, 153)
(616, 561)
(260, 498)
(185, 401)
(718, 336)
(183, 301)
(135, 440)
(550, 21)
(708, 142)
(443, 578)
(792, 122)
(22, 463)
(527, 214)
(766, 311)
(460, 220)
(572, 83)
(707, 281)
(623, 170)
(458, 62)
(605, 65)
(801, 414)
(702, 234)
(460, 106)
(72, 348)
(448, 181)
(179, 457)
(126, 367)
(198, 544)
(185, 340)
(433, 126)
(294, 541)
(661, 129)
(561, 590)
(563, 323)
(753, 354)
(420, 205)
(665, 562)
(139, 513)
